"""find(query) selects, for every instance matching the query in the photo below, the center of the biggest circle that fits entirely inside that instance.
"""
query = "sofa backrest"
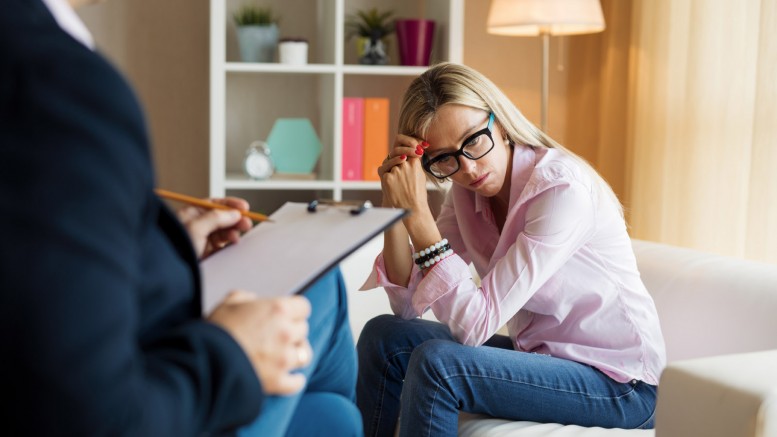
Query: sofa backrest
(709, 304)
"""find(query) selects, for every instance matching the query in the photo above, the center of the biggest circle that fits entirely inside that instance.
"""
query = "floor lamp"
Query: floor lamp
(545, 18)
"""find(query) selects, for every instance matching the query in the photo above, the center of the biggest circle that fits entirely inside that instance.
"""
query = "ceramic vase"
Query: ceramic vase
(257, 43)
(415, 39)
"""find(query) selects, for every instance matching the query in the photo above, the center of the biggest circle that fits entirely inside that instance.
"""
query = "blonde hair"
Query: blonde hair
(449, 83)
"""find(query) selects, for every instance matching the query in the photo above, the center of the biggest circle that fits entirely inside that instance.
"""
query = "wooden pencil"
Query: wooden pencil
(255, 216)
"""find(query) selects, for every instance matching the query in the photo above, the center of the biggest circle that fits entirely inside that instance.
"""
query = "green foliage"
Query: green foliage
(250, 15)
(369, 23)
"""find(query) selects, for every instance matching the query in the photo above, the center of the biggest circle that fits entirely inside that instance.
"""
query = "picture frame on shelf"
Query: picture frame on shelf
(295, 146)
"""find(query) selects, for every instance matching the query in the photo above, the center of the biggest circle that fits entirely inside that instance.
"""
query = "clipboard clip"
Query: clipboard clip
(356, 207)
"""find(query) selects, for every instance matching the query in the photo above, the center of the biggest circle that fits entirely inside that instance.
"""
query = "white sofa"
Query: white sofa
(715, 312)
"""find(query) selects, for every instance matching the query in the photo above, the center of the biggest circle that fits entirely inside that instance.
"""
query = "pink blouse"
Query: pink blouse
(561, 275)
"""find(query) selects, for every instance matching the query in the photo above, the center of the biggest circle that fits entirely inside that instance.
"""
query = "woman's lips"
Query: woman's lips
(479, 181)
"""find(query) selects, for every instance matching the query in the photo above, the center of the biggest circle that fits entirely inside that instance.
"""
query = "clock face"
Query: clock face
(258, 165)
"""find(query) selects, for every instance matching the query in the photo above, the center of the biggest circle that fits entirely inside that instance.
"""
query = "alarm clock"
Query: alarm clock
(257, 163)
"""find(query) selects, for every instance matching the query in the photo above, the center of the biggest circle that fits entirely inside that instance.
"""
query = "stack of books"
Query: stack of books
(365, 137)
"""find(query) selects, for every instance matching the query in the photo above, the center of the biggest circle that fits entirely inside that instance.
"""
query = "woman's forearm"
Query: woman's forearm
(396, 255)
(422, 228)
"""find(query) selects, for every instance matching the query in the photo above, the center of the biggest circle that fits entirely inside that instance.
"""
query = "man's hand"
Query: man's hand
(212, 229)
(273, 333)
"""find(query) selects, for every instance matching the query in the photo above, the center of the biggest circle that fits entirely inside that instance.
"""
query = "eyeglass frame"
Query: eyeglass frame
(427, 163)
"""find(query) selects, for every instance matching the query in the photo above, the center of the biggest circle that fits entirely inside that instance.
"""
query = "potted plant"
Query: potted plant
(257, 33)
(370, 27)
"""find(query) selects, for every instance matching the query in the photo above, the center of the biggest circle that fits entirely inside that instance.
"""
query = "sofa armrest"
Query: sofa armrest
(719, 396)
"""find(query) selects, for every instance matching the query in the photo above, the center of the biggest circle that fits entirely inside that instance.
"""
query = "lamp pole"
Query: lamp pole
(545, 18)
(545, 61)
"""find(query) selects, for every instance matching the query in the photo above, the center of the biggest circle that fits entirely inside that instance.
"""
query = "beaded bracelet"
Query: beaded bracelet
(433, 254)
(431, 262)
(433, 248)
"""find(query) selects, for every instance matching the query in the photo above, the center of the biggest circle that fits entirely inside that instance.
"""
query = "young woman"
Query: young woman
(547, 236)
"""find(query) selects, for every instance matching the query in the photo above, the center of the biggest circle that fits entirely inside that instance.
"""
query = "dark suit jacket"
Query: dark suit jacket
(100, 327)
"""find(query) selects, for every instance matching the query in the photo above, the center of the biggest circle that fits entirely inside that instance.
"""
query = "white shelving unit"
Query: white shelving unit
(247, 98)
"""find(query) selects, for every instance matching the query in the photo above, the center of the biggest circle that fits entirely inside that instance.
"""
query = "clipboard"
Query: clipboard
(300, 243)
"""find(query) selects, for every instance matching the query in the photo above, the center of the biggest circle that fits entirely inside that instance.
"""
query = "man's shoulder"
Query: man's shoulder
(25, 24)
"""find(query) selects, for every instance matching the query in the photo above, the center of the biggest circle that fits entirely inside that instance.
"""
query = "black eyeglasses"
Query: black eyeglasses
(474, 147)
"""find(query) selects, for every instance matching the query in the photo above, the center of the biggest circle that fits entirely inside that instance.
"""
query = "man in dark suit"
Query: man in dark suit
(100, 311)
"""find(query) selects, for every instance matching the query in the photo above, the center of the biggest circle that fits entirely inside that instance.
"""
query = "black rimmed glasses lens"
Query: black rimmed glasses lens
(474, 147)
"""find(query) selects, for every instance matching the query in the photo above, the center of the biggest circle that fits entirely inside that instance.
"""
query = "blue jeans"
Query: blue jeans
(421, 363)
(326, 406)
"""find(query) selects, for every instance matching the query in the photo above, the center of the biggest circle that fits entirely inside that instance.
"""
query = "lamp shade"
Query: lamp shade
(536, 17)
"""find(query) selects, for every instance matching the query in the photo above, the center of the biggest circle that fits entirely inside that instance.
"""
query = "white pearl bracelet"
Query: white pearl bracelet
(437, 259)
(434, 247)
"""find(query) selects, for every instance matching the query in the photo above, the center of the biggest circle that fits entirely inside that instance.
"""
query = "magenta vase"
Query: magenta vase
(415, 38)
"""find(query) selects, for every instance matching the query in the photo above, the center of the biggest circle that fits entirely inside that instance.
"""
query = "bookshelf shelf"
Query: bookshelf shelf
(248, 67)
(383, 70)
(247, 98)
(239, 182)
(360, 185)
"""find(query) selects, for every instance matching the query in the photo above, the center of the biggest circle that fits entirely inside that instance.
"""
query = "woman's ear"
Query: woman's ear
(501, 129)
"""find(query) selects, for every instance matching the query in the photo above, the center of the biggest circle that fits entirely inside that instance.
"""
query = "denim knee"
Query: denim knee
(428, 359)
(381, 323)
(377, 334)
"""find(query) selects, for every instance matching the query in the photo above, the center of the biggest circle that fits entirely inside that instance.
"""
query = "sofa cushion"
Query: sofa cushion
(709, 304)
(471, 425)
(721, 396)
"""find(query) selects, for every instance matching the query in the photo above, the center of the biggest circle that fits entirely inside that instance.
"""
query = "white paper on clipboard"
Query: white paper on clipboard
(284, 256)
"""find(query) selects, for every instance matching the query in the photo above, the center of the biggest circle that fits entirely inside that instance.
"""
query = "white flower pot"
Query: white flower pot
(293, 52)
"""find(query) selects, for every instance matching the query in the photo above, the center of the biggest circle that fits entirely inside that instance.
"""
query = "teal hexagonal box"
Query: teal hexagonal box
(294, 145)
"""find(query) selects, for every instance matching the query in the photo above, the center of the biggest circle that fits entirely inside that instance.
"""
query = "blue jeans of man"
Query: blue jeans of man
(419, 362)
(326, 406)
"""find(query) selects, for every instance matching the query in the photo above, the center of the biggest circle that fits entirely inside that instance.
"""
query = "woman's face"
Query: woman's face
(450, 127)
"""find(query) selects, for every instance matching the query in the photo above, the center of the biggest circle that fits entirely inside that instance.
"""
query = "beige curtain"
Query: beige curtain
(597, 95)
(702, 162)
(676, 105)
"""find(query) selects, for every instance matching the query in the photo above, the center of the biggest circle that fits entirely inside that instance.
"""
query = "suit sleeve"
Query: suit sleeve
(75, 183)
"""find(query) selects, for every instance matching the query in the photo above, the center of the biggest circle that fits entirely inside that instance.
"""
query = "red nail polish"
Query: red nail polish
(424, 144)
(419, 150)
(404, 157)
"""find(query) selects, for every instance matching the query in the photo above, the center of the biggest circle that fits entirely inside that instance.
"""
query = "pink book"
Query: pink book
(353, 138)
